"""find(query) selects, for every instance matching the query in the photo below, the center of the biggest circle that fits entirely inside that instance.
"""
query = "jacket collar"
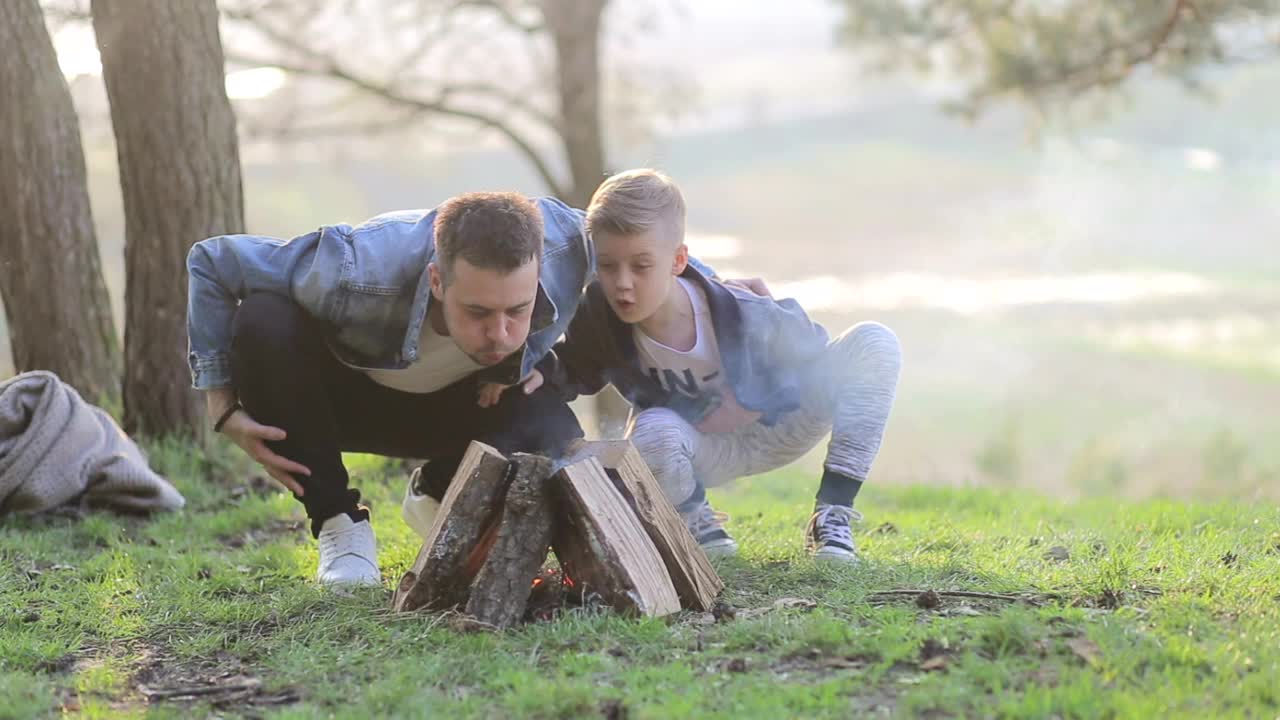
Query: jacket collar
(726, 317)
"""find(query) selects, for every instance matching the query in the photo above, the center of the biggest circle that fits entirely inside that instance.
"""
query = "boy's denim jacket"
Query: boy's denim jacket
(368, 285)
(771, 352)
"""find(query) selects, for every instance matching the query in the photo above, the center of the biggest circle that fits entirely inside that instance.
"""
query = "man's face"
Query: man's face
(487, 312)
(637, 271)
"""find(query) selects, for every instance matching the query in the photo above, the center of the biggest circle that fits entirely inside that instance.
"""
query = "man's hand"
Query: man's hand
(755, 285)
(252, 438)
(728, 417)
(491, 393)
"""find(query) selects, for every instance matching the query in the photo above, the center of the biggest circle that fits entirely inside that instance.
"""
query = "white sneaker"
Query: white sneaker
(707, 527)
(348, 553)
(829, 536)
(418, 511)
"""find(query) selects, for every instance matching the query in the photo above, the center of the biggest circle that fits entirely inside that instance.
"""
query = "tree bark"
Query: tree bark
(454, 551)
(695, 580)
(180, 176)
(603, 547)
(500, 592)
(55, 299)
(574, 26)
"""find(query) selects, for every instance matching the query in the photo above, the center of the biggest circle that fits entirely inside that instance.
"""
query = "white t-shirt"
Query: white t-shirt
(695, 372)
(440, 364)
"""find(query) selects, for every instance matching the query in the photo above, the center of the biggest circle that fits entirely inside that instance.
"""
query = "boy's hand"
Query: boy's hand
(252, 438)
(728, 417)
(491, 393)
(755, 285)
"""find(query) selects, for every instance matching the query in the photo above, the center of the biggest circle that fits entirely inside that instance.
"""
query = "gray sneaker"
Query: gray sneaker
(829, 535)
(707, 527)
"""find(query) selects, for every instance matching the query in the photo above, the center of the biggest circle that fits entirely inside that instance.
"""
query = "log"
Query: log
(601, 543)
(501, 591)
(453, 551)
(695, 580)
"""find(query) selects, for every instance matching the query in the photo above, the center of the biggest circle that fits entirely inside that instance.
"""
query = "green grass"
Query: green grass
(1163, 609)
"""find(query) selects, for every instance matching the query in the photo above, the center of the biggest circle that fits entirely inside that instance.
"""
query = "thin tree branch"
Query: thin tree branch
(1079, 78)
(328, 67)
(297, 133)
(504, 12)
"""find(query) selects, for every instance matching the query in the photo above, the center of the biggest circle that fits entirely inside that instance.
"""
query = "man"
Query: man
(376, 339)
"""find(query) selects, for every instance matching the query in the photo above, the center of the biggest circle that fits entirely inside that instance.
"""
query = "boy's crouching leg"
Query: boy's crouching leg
(666, 441)
(864, 363)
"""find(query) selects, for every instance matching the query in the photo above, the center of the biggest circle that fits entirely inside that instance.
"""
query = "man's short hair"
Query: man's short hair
(492, 230)
(635, 201)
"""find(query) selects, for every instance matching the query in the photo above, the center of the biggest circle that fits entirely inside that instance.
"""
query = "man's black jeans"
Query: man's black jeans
(286, 377)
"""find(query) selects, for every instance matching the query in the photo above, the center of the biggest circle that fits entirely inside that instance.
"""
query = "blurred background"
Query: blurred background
(1070, 212)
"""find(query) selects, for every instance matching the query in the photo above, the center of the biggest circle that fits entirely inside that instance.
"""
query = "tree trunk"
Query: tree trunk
(51, 281)
(574, 26)
(180, 176)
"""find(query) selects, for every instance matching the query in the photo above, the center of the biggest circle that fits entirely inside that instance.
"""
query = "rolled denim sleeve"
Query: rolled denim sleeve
(223, 270)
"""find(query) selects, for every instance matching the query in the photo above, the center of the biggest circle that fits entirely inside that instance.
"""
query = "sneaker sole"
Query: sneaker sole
(349, 582)
(721, 548)
(835, 555)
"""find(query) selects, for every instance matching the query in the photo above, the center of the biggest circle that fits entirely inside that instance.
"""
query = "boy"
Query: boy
(726, 383)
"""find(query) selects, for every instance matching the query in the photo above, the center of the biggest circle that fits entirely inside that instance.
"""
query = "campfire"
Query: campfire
(619, 542)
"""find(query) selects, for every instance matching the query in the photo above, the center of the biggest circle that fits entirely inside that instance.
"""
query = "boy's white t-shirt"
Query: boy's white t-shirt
(440, 364)
(695, 372)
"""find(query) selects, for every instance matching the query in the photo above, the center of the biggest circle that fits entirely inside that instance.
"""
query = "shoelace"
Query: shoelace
(704, 518)
(832, 523)
(335, 544)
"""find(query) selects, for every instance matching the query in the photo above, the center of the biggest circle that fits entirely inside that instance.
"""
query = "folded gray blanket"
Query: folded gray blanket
(56, 449)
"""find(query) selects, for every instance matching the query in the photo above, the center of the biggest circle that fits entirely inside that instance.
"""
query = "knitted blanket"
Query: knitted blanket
(56, 449)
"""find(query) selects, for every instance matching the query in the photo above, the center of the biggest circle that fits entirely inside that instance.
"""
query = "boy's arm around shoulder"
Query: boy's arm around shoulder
(794, 340)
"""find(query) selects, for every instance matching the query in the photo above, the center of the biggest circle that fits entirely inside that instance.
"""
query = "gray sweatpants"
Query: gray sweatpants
(863, 364)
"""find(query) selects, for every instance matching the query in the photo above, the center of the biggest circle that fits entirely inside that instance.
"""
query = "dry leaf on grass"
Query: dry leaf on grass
(1057, 553)
(937, 662)
(1085, 649)
(787, 603)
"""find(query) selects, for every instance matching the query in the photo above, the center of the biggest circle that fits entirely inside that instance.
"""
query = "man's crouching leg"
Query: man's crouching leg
(284, 376)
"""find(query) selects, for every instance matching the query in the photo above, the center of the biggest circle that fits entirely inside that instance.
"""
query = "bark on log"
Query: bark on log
(500, 593)
(606, 547)
(442, 573)
(695, 580)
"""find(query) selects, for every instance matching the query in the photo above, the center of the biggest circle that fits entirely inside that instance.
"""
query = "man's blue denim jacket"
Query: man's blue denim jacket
(369, 286)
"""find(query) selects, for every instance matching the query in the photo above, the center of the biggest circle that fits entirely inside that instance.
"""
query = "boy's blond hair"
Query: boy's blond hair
(635, 201)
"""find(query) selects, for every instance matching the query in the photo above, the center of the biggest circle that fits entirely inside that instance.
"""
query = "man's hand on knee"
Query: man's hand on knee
(252, 437)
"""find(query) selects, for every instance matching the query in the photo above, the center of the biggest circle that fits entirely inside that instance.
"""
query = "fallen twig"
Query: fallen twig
(887, 596)
(198, 690)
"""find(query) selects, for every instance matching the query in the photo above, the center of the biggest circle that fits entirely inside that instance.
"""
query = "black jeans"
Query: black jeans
(286, 377)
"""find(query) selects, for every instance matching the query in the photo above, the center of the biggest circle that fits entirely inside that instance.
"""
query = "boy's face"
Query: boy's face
(637, 271)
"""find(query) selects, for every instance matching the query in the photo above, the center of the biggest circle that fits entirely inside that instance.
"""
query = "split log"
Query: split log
(601, 543)
(695, 580)
(500, 592)
(454, 548)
